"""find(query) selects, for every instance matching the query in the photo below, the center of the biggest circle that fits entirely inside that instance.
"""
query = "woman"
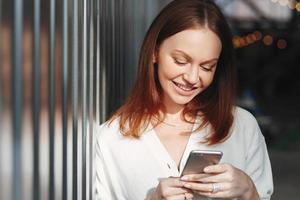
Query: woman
(182, 100)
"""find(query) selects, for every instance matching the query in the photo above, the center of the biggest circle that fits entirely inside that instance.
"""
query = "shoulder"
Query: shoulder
(108, 131)
(243, 117)
(246, 125)
(243, 114)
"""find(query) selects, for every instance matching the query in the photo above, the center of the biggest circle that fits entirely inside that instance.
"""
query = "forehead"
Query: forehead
(200, 43)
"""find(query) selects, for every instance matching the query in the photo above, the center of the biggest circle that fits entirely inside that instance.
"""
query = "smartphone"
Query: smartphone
(199, 159)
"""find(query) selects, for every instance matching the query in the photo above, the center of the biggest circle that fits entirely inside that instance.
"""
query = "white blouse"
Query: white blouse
(130, 169)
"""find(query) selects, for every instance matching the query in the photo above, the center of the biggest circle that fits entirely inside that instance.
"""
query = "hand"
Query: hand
(171, 189)
(222, 181)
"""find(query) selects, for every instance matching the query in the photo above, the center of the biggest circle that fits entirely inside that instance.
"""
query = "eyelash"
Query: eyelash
(204, 68)
(179, 63)
(207, 69)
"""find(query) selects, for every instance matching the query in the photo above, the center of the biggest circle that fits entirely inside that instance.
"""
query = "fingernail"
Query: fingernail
(187, 185)
(184, 178)
(206, 169)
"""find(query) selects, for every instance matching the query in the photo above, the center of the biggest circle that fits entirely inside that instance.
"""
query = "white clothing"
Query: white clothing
(130, 169)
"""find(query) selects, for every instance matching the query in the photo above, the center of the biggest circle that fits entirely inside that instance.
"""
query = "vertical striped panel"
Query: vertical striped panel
(65, 96)
(16, 103)
(103, 72)
(75, 97)
(97, 63)
(121, 49)
(88, 128)
(116, 53)
(97, 89)
(95, 55)
(36, 98)
(84, 96)
(107, 53)
(1, 103)
(90, 98)
(104, 57)
(6, 75)
(99, 53)
(17, 97)
(51, 97)
(80, 97)
(112, 70)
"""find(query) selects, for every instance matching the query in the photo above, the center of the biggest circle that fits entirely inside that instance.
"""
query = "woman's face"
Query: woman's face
(186, 64)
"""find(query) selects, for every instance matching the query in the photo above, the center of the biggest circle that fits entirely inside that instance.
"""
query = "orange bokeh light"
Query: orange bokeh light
(281, 44)
(268, 40)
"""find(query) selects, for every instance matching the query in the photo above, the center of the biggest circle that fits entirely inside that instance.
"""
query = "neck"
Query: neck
(173, 110)
(173, 115)
(174, 119)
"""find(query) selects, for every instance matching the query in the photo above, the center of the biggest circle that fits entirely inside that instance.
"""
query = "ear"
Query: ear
(154, 57)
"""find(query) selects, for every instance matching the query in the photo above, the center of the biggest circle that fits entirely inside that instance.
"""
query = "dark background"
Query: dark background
(269, 83)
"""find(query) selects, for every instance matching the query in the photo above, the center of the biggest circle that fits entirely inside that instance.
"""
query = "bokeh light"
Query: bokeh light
(281, 44)
(268, 40)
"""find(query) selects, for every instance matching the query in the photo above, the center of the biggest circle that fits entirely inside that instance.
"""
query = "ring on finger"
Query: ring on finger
(215, 188)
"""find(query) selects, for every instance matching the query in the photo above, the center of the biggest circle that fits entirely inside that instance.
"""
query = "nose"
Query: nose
(191, 74)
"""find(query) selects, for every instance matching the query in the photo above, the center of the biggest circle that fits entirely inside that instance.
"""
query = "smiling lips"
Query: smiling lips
(183, 89)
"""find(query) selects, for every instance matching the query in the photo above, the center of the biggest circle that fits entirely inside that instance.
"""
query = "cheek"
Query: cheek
(166, 70)
(167, 65)
(208, 79)
(163, 76)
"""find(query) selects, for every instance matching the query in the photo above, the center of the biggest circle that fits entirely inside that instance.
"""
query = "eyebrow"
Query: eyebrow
(190, 58)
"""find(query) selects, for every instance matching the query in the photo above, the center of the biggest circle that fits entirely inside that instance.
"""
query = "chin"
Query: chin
(182, 100)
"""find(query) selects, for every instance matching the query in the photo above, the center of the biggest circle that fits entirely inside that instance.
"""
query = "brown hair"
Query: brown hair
(215, 103)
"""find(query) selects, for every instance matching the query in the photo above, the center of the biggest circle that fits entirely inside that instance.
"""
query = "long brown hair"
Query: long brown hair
(215, 104)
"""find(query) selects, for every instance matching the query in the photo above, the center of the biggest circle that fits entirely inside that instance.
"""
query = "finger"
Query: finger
(221, 195)
(198, 186)
(224, 177)
(172, 182)
(176, 191)
(220, 168)
(172, 186)
(180, 197)
(194, 177)
(207, 187)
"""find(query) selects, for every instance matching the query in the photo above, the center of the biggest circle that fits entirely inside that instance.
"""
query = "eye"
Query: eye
(180, 62)
(207, 68)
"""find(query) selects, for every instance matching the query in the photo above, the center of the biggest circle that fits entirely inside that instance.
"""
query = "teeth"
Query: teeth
(184, 87)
